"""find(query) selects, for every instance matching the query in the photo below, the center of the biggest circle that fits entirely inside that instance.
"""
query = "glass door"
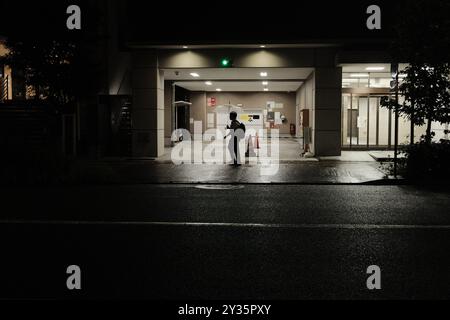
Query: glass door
(355, 116)
(365, 124)
(373, 121)
(363, 121)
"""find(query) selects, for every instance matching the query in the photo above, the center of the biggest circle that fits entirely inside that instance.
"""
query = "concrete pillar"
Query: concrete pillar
(148, 106)
(328, 114)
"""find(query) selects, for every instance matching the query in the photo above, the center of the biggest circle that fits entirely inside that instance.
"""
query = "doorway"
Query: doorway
(264, 99)
(365, 124)
(182, 112)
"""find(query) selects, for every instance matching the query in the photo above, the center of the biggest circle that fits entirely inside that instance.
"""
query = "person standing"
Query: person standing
(237, 130)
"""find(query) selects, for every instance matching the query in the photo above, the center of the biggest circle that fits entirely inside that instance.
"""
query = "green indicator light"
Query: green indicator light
(226, 63)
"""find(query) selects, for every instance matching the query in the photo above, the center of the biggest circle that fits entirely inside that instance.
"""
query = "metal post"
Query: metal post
(368, 122)
(173, 114)
(390, 127)
(412, 123)
(396, 126)
(378, 121)
(351, 121)
(446, 131)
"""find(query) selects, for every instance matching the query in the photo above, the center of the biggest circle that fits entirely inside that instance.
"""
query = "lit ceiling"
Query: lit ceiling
(241, 86)
(239, 79)
(238, 74)
(372, 68)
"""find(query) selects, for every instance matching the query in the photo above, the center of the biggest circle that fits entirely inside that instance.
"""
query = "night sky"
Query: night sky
(205, 21)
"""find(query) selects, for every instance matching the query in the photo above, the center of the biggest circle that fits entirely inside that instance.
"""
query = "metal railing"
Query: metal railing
(4, 88)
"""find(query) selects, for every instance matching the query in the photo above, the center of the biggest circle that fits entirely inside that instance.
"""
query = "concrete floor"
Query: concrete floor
(290, 149)
(323, 172)
(385, 155)
(351, 156)
(351, 167)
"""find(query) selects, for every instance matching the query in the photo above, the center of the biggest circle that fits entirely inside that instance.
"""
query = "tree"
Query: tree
(63, 66)
(48, 67)
(426, 89)
(423, 40)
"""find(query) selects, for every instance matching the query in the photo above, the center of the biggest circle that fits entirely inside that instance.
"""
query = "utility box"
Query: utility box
(307, 136)
(307, 130)
(304, 118)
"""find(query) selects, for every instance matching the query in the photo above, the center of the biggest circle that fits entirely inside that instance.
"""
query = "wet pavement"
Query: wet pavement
(272, 204)
(324, 172)
(251, 242)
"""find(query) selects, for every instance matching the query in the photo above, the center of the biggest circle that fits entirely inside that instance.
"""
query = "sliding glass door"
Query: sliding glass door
(365, 123)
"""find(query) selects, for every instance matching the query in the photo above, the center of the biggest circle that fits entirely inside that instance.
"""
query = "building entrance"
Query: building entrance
(365, 124)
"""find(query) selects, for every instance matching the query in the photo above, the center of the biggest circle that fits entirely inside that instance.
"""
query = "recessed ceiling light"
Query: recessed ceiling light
(262, 46)
(359, 75)
(266, 89)
(350, 80)
(265, 83)
(208, 83)
(263, 74)
(375, 68)
(218, 90)
(185, 47)
(195, 75)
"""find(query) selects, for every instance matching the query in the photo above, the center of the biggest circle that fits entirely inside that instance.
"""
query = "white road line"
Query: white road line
(233, 225)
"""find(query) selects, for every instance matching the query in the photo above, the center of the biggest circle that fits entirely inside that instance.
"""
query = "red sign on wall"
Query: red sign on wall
(212, 102)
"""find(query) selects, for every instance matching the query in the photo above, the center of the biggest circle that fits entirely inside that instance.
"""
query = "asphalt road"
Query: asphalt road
(254, 242)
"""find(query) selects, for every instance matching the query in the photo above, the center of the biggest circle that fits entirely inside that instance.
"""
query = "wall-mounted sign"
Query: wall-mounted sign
(250, 118)
(212, 102)
(271, 105)
(278, 120)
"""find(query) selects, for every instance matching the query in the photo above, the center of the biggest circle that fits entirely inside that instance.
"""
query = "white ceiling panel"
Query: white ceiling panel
(241, 86)
(238, 74)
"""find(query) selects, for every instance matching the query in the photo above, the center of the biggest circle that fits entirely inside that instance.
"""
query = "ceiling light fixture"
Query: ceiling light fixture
(350, 80)
(208, 83)
(359, 75)
(263, 74)
(265, 83)
(195, 75)
(375, 68)
(266, 89)
(219, 90)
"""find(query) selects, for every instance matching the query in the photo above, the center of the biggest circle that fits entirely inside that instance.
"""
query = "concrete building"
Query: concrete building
(329, 86)
(321, 82)
(316, 78)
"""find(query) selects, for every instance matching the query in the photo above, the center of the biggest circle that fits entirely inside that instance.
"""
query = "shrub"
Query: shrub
(426, 161)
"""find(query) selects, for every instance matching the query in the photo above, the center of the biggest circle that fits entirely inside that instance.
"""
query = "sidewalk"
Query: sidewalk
(151, 172)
